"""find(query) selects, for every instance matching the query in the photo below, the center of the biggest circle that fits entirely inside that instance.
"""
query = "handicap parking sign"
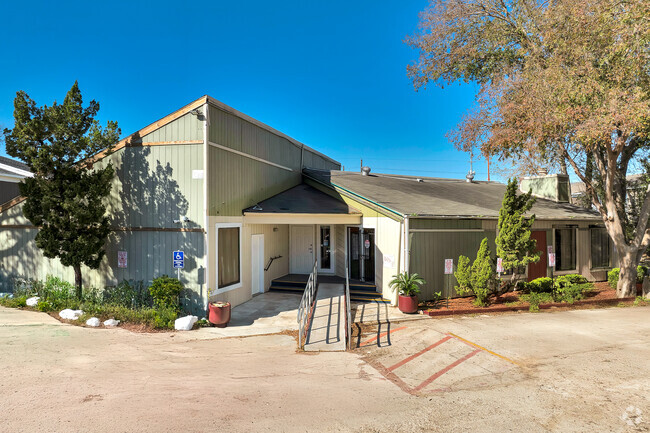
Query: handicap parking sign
(178, 258)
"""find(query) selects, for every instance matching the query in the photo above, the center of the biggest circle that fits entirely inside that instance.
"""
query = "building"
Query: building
(250, 207)
(11, 173)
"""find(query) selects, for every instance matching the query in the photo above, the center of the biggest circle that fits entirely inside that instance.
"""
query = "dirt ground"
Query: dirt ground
(582, 371)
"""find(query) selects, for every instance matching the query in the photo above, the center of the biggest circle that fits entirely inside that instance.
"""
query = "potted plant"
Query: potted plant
(408, 287)
(219, 313)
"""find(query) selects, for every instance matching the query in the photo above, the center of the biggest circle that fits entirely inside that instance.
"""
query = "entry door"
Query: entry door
(257, 264)
(361, 253)
(302, 250)
(538, 270)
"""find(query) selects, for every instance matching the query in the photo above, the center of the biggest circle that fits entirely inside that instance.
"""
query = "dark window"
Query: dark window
(565, 249)
(600, 248)
(228, 251)
(325, 248)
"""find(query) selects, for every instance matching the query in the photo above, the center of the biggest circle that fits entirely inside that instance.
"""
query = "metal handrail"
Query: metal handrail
(348, 316)
(306, 304)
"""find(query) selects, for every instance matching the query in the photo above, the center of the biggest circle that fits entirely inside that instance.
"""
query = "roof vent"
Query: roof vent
(365, 170)
(470, 176)
(542, 171)
(419, 180)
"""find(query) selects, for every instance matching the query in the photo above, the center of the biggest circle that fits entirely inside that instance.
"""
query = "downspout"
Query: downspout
(407, 259)
(206, 218)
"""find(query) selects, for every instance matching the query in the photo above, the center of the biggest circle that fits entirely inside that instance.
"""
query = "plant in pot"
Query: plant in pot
(219, 313)
(408, 287)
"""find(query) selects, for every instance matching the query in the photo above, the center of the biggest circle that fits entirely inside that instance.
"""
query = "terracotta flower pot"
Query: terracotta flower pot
(219, 314)
(408, 304)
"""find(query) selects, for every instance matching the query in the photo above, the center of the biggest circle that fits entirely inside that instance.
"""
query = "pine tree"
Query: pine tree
(514, 244)
(65, 197)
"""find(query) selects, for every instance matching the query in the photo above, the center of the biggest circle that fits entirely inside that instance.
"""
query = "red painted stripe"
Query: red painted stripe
(446, 369)
(412, 357)
(383, 334)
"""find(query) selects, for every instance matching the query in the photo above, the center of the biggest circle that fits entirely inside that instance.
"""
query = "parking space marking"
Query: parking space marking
(446, 369)
(383, 334)
(482, 348)
(423, 351)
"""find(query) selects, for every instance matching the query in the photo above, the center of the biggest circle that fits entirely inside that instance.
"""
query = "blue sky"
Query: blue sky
(330, 74)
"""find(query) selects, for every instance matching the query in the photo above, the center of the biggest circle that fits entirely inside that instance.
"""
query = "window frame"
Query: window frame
(216, 248)
(332, 268)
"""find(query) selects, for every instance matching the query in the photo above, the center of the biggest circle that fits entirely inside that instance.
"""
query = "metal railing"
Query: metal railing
(306, 305)
(348, 315)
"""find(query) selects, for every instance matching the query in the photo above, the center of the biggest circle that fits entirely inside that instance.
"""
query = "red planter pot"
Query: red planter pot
(219, 316)
(408, 304)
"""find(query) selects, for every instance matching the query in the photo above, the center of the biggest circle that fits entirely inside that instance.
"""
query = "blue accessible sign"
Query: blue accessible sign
(178, 258)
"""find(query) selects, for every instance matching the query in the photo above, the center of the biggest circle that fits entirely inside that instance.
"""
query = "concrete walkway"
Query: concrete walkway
(327, 330)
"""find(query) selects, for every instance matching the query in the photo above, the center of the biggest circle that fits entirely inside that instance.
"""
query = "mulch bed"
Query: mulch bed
(601, 295)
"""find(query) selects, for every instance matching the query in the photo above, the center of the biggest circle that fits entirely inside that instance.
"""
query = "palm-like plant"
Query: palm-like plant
(406, 284)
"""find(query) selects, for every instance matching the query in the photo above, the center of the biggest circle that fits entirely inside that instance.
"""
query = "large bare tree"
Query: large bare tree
(566, 80)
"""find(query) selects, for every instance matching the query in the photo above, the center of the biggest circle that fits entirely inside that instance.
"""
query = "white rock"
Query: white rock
(69, 314)
(185, 323)
(33, 301)
(111, 322)
(93, 321)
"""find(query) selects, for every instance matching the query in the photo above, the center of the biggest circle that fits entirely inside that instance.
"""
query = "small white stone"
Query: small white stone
(32, 302)
(69, 314)
(111, 323)
(93, 321)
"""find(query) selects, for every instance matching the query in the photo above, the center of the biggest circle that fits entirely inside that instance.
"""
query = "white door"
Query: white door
(302, 249)
(257, 264)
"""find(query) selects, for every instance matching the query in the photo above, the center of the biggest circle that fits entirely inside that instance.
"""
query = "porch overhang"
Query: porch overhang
(302, 218)
(302, 204)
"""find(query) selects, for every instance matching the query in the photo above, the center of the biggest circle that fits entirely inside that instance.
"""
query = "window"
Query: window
(325, 248)
(565, 249)
(600, 248)
(228, 256)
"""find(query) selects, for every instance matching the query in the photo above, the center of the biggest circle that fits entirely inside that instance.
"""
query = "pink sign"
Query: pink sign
(121, 259)
(499, 265)
(449, 266)
(551, 260)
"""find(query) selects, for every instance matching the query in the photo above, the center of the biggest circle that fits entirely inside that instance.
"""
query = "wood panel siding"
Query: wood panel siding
(428, 251)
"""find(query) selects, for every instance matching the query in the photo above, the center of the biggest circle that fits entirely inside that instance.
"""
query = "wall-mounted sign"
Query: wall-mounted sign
(178, 258)
(197, 174)
(499, 265)
(366, 243)
(449, 266)
(122, 259)
(551, 260)
(389, 261)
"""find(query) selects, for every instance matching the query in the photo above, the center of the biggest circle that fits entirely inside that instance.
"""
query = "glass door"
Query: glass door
(361, 254)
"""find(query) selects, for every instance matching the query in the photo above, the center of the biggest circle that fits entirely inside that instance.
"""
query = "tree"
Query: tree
(565, 80)
(514, 245)
(477, 278)
(65, 196)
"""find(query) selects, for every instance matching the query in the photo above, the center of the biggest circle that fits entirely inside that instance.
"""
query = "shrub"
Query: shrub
(479, 278)
(165, 291)
(641, 271)
(540, 285)
(572, 292)
(612, 277)
(13, 301)
(128, 294)
(536, 298)
(44, 306)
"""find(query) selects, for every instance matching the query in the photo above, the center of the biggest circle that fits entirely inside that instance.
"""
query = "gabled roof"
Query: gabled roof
(440, 198)
(301, 199)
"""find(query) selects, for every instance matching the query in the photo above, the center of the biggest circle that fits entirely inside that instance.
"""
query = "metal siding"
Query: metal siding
(237, 182)
(428, 252)
(187, 127)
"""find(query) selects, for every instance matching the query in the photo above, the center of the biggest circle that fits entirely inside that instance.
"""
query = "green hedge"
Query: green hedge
(613, 275)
